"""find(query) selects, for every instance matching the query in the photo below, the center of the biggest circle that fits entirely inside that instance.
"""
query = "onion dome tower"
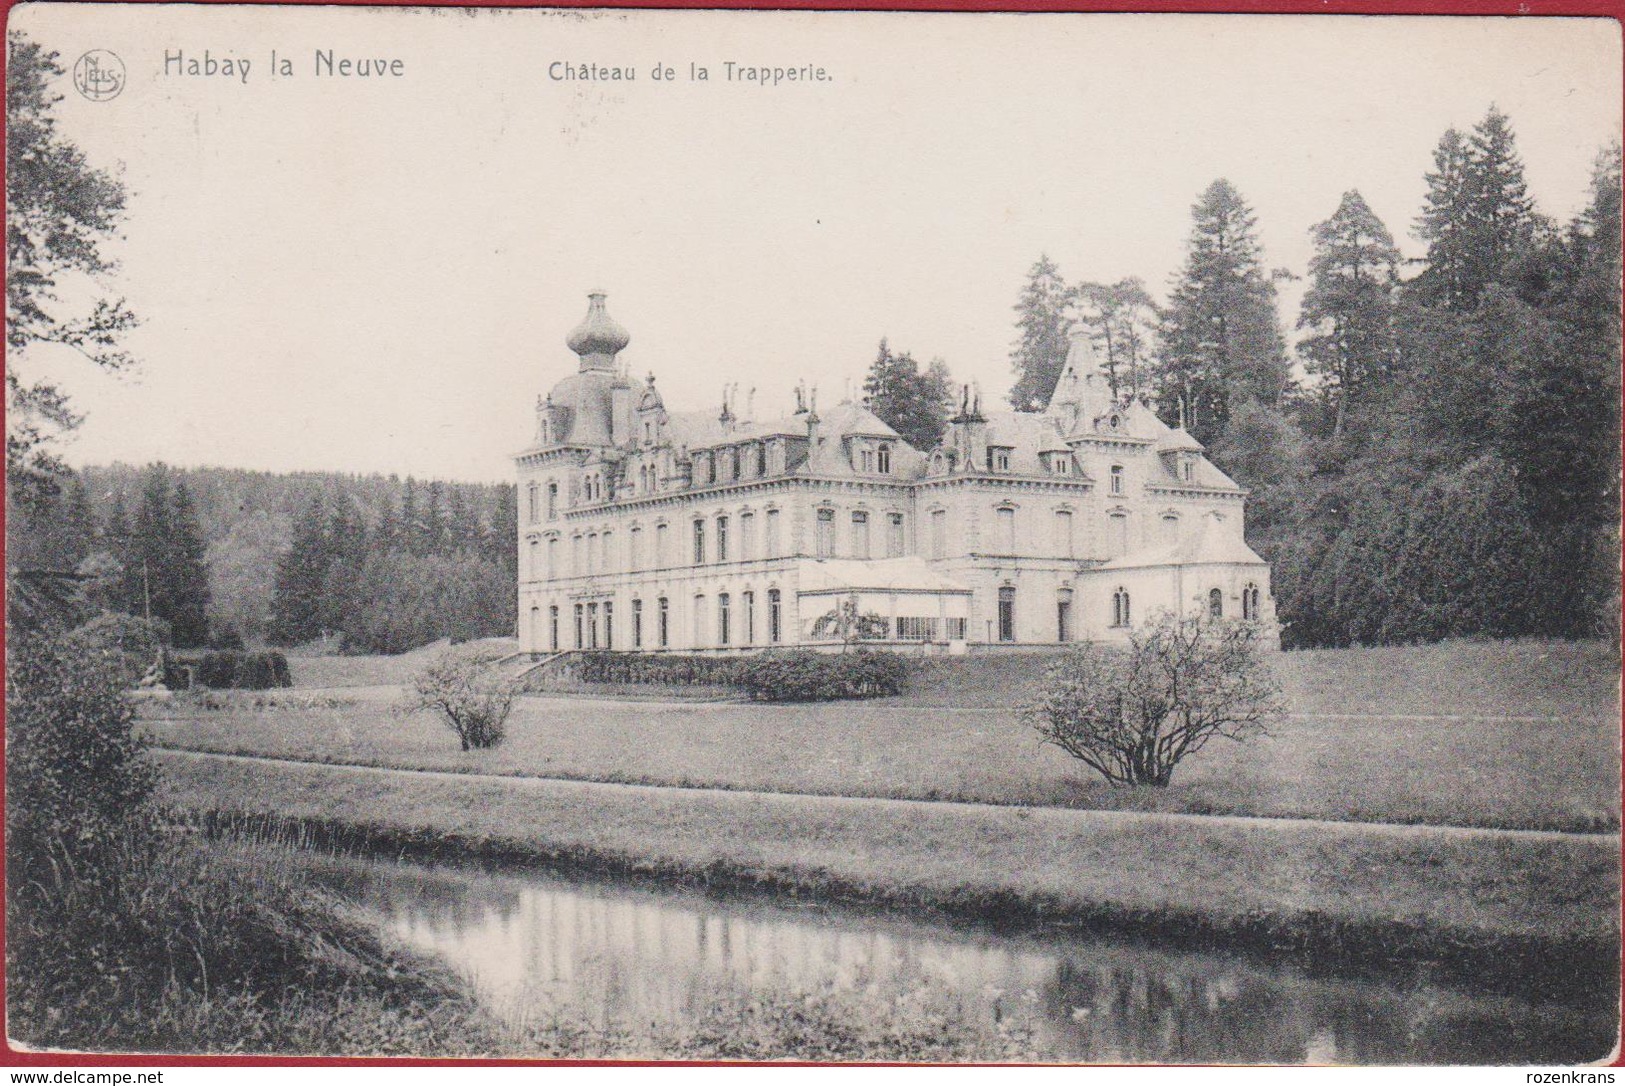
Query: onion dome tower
(583, 403)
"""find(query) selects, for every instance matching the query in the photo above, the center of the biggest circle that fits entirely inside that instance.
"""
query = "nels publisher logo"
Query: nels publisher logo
(99, 75)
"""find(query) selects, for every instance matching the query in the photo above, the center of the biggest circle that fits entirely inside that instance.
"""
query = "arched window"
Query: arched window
(885, 460)
(1215, 604)
(1170, 529)
(699, 620)
(1117, 478)
(663, 624)
(1007, 614)
(775, 628)
(699, 542)
(552, 501)
(1120, 608)
(637, 624)
(1249, 603)
(553, 627)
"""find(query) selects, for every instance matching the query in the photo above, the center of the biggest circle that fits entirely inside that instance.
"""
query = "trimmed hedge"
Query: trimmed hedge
(788, 675)
(231, 670)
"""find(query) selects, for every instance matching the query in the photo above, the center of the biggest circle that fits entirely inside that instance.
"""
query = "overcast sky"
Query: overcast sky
(378, 274)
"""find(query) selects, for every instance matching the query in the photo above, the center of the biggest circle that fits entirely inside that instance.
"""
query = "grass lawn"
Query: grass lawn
(1446, 882)
(1560, 772)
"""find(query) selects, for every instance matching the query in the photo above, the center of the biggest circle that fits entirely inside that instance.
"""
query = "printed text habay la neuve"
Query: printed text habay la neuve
(322, 63)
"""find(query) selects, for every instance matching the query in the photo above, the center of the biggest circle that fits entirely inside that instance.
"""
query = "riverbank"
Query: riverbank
(1533, 911)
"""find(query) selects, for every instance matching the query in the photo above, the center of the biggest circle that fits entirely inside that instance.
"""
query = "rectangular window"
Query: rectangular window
(533, 502)
(939, 533)
(775, 628)
(552, 501)
(772, 541)
(1001, 462)
(1063, 619)
(663, 623)
(825, 538)
(916, 629)
(750, 618)
(592, 625)
(883, 459)
(866, 460)
(661, 549)
(1007, 531)
(637, 624)
(535, 553)
(606, 552)
(860, 534)
(1064, 544)
(722, 539)
(711, 468)
(894, 535)
(724, 627)
(1117, 478)
(956, 629)
(699, 542)
(581, 633)
(609, 624)
(699, 621)
(592, 553)
(553, 558)
(578, 550)
(553, 628)
(634, 549)
(747, 536)
(1007, 614)
(761, 458)
(1117, 534)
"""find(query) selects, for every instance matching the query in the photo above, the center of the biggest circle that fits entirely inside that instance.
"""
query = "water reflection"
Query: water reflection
(630, 954)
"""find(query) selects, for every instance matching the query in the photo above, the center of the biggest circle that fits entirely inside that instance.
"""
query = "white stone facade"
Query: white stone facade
(651, 531)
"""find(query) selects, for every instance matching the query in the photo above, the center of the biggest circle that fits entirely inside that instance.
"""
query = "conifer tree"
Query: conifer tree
(301, 575)
(1044, 318)
(914, 404)
(411, 528)
(1220, 337)
(1348, 308)
(1121, 318)
(433, 537)
(185, 572)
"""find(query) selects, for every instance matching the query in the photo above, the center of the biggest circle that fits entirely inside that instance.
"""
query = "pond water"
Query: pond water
(630, 954)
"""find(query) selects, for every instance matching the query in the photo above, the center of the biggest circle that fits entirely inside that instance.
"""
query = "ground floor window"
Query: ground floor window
(592, 625)
(1120, 613)
(663, 621)
(750, 618)
(609, 625)
(724, 605)
(637, 624)
(956, 629)
(1215, 604)
(775, 629)
(699, 621)
(1249, 603)
(916, 629)
(1007, 614)
(1063, 617)
(553, 627)
(581, 633)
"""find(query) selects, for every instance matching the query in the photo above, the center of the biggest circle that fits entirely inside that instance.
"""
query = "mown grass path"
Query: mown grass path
(1450, 883)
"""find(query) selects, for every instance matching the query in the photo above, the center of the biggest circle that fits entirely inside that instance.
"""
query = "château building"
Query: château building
(651, 530)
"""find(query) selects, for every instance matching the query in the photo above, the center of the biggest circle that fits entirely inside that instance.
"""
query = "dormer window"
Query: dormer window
(1060, 464)
(866, 459)
(883, 459)
(1187, 469)
(648, 432)
(998, 459)
(761, 458)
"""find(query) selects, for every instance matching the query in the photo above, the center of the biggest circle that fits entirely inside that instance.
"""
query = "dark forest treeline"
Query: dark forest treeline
(221, 553)
(1438, 456)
